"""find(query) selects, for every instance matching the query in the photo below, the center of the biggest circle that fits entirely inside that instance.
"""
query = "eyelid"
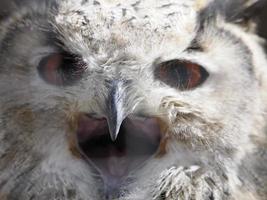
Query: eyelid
(201, 58)
(196, 48)
(39, 53)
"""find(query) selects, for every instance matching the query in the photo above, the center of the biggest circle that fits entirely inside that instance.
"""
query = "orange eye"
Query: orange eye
(61, 69)
(179, 74)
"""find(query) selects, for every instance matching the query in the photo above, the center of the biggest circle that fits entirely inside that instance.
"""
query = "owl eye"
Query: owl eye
(61, 69)
(180, 74)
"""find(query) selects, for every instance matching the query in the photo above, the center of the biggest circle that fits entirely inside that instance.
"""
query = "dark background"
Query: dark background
(263, 23)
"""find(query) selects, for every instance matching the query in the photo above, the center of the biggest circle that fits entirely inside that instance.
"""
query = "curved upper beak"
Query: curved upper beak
(114, 123)
(115, 110)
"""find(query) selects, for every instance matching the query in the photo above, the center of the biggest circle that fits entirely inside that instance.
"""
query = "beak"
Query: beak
(115, 109)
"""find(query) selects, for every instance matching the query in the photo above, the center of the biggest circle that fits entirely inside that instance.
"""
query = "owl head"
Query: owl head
(98, 97)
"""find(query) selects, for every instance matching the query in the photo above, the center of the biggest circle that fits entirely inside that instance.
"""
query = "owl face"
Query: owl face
(100, 96)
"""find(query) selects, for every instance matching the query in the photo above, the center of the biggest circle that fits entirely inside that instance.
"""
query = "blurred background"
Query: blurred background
(263, 23)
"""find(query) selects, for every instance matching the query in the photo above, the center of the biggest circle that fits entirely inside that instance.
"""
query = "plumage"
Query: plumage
(132, 100)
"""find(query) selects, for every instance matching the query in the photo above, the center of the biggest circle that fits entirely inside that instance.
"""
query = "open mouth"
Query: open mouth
(137, 141)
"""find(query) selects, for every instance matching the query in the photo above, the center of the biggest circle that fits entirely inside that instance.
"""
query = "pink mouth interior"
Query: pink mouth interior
(137, 141)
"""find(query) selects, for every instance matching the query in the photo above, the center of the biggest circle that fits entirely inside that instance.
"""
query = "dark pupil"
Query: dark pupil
(69, 68)
(178, 75)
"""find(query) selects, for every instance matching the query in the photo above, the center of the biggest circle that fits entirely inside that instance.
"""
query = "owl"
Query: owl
(132, 100)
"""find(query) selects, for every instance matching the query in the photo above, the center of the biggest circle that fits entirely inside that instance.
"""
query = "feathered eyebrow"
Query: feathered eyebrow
(195, 46)
(205, 16)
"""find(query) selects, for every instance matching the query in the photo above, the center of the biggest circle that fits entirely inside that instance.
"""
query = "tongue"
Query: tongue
(113, 170)
(117, 166)
(112, 165)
